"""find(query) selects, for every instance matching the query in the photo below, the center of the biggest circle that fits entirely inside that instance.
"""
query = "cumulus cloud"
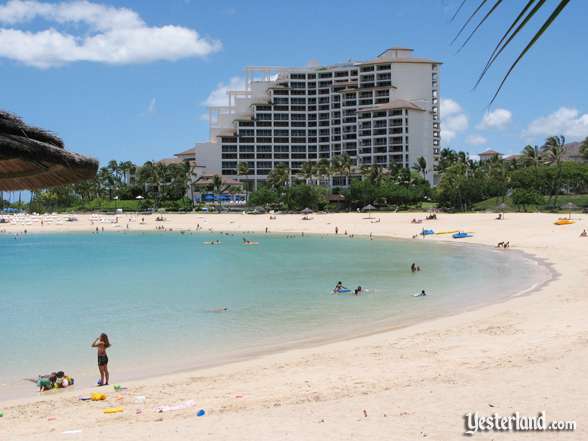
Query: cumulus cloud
(476, 140)
(565, 121)
(113, 35)
(219, 96)
(453, 120)
(497, 119)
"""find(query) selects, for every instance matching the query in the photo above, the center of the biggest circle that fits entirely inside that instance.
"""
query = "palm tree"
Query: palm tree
(279, 176)
(324, 169)
(217, 183)
(421, 166)
(128, 169)
(346, 164)
(243, 170)
(336, 165)
(553, 151)
(308, 171)
(532, 155)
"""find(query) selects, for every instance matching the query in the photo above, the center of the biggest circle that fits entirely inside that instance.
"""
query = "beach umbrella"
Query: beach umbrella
(139, 197)
(307, 211)
(369, 208)
(31, 158)
(501, 208)
(569, 206)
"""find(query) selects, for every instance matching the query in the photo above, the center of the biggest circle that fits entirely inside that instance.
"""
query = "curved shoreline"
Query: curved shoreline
(518, 355)
(316, 342)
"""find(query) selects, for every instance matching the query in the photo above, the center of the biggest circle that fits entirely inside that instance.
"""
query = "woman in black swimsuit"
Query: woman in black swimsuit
(101, 343)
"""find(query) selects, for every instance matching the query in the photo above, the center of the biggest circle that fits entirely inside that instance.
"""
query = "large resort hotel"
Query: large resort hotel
(383, 111)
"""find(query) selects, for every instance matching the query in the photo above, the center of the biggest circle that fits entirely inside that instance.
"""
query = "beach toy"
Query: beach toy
(118, 388)
(201, 412)
(97, 396)
(113, 409)
(461, 235)
(342, 291)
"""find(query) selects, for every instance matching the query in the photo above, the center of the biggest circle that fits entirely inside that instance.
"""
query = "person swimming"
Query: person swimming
(421, 294)
(358, 290)
(339, 287)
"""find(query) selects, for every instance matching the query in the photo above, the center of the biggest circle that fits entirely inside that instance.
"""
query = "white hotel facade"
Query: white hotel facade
(383, 111)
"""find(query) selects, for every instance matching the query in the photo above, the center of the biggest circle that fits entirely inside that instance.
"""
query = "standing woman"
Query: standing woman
(101, 344)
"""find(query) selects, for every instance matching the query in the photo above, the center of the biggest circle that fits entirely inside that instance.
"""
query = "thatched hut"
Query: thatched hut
(31, 158)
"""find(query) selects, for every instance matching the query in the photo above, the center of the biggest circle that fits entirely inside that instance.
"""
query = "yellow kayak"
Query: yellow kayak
(564, 222)
(113, 409)
(447, 232)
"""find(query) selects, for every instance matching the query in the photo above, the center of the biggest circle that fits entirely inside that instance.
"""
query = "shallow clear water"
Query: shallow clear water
(152, 293)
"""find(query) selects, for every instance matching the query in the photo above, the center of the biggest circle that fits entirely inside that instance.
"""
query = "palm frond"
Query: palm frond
(458, 9)
(488, 14)
(521, 26)
(506, 34)
(560, 7)
(528, 11)
(472, 15)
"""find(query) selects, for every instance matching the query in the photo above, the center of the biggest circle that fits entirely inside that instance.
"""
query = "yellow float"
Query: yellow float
(564, 222)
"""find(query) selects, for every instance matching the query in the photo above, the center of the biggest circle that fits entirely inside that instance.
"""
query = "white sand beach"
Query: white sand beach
(525, 355)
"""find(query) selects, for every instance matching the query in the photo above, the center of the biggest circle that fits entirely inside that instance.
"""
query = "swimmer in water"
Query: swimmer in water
(358, 290)
(422, 294)
(225, 309)
(339, 287)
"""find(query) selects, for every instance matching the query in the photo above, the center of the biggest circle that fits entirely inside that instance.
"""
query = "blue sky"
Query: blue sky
(74, 68)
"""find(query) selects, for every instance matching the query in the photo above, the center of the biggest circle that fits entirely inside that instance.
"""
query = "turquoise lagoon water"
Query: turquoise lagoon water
(153, 293)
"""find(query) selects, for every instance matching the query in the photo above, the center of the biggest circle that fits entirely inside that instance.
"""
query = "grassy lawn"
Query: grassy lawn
(580, 200)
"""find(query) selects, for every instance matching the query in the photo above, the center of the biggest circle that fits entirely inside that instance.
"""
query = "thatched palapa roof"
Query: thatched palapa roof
(32, 158)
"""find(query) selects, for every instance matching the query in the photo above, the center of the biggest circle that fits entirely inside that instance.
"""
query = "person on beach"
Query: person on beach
(584, 233)
(101, 344)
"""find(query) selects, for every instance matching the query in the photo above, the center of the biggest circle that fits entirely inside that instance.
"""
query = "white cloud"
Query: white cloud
(476, 140)
(113, 36)
(152, 106)
(497, 119)
(219, 96)
(565, 121)
(450, 107)
(453, 120)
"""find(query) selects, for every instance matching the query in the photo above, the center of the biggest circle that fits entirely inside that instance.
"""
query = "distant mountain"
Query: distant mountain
(572, 152)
